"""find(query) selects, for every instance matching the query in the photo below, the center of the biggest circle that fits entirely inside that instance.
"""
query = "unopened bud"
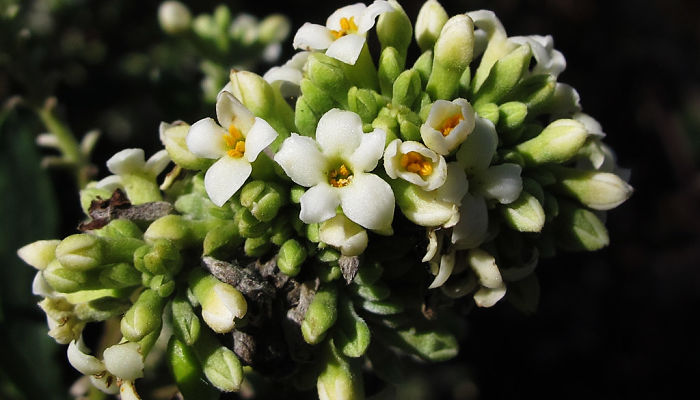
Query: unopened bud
(504, 75)
(363, 102)
(174, 17)
(453, 53)
(221, 303)
(80, 252)
(171, 227)
(257, 246)
(327, 73)
(321, 315)
(187, 371)
(488, 111)
(69, 280)
(263, 199)
(431, 18)
(511, 115)
(39, 254)
(223, 369)
(389, 68)
(273, 29)
(424, 65)
(407, 88)
(290, 257)
(535, 91)
(173, 138)
(339, 379)
(144, 317)
(524, 214)
(120, 275)
(557, 143)
(579, 229)
(186, 324)
(394, 29)
(124, 361)
(342, 233)
(597, 190)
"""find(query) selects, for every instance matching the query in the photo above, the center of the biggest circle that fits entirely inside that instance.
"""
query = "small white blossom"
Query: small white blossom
(133, 162)
(236, 143)
(549, 60)
(344, 234)
(448, 125)
(287, 78)
(344, 34)
(415, 163)
(335, 167)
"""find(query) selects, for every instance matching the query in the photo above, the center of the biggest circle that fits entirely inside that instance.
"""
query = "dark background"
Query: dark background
(615, 324)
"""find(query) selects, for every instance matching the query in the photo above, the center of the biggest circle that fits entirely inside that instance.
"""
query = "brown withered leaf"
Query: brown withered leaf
(119, 207)
(349, 267)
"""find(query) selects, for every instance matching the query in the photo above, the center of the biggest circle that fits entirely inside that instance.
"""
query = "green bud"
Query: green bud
(164, 285)
(124, 360)
(321, 314)
(596, 190)
(409, 125)
(186, 324)
(172, 227)
(394, 29)
(222, 17)
(421, 207)
(305, 118)
(159, 257)
(290, 257)
(317, 99)
(424, 65)
(578, 229)
(312, 233)
(249, 226)
(453, 53)
(389, 125)
(465, 83)
(257, 246)
(204, 27)
(390, 66)
(174, 138)
(524, 214)
(39, 254)
(363, 102)
(81, 252)
(407, 88)
(187, 371)
(352, 336)
(120, 275)
(432, 345)
(431, 18)
(222, 238)
(327, 73)
(223, 369)
(504, 75)
(174, 17)
(511, 116)
(557, 143)
(221, 303)
(489, 111)
(90, 194)
(144, 317)
(295, 193)
(281, 230)
(339, 379)
(535, 91)
(263, 199)
(69, 280)
(273, 29)
(120, 228)
(534, 188)
(101, 309)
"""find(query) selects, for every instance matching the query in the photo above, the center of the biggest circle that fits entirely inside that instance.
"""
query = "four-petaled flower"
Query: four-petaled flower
(415, 163)
(344, 34)
(448, 125)
(235, 143)
(334, 167)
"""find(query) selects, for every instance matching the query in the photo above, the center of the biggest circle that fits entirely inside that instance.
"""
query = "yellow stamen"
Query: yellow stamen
(416, 163)
(451, 123)
(340, 177)
(346, 26)
(235, 142)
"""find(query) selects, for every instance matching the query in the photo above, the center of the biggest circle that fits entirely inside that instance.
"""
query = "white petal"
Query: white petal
(302, 161)
(440, 111)
(110, 183)
(42, 288)
(487, 21)
(344, 234)
(473, 223)
(549, 60)
(368, 201)
(447, 264)
(484, 266)
(368, 153)
(500, 182)
(339, 133)
(127, 161)
(455, 186)
(392, 164)
(369, 15)
(124, 360)
(283, 74)
(260, 135)
(565, 102)
(319, 203)
(592, 126)
(157, 162)
(354, 10)
(225, 177)
(312, 37)
(478, 149)
(206, 139)
(107, 383)
(486, 297)
(434, 244)
(81, 360)
(230, 111)
(347, 48)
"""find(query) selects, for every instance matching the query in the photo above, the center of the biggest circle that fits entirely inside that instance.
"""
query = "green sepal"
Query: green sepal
(321, 314)
(351, 333)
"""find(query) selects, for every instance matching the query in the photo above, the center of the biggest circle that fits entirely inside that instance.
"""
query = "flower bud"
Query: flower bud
(101, 309)
(431, 18)
(596, 190)
(511, 115)
(406, 88)
(171, 227)
(79, 357)
(535, 91)
(342, 233)
(524, 214)
(290, 257)
(305, 118)
(424, 65)
(257, 246)
(321, 315)
(67, 280)
(223, 369)
(249, 226)
(163, 285)
(488, 111)
(187, 371)
(159, 257)
(394, 29)
(389, 68)
(352, 336)
(144, 316)
(173, 138)
(221, 303)
(119, 276)
(364, 103)
(369, 273)
(124, 361)
(327, 73)
(339, 379)
(504, 75)
(39, 254)
(80, 252)
(263, 199)
(222, 238)
(421, 207)
(186, 324)
(453, 53)
(317, 98)
(557, 143)
(174, 17)
(119, 229)
(578, 229)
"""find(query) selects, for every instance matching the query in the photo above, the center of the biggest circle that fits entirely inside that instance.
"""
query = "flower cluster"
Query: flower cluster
(338, 211)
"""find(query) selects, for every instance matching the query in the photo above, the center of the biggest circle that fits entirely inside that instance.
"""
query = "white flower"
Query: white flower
(287, 78)
(133, 162)
(235, 143)
(334, 167)
(344, 34)
(499, 182)
(549, 60)
(415, 163)
(448, 124)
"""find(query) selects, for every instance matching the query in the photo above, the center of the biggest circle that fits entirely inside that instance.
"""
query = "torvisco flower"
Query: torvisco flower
(335, 167)
(344, 34)
(236, 143)
(447, 125)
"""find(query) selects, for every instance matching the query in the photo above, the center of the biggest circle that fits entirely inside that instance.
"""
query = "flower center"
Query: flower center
(340, 177)
(416, 163)
(451, 123)
(346, 26)
(235, 142)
